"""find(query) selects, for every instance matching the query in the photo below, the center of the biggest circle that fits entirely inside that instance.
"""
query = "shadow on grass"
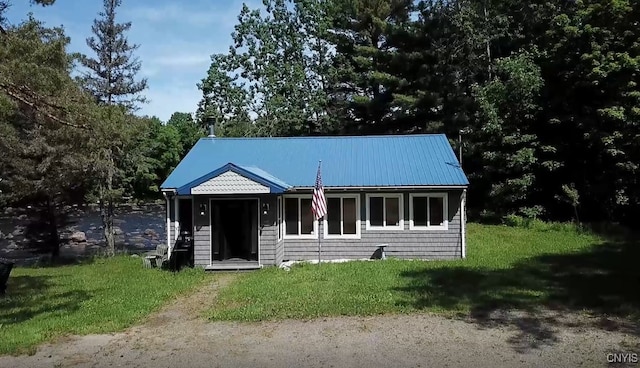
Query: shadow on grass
(29, 297)
(534, 295)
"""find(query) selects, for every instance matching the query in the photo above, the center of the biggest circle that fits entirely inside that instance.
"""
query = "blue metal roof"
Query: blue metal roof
(364, 161)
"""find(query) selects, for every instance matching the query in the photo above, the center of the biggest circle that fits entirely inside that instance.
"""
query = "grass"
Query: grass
(552, 265)
(102, 296)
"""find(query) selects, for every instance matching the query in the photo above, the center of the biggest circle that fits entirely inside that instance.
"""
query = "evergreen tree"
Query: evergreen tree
(111, 75)
(363, 82)
(111, 79)
(43, 112)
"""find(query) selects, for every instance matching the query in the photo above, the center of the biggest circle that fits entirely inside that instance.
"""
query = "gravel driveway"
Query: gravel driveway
(177, 337)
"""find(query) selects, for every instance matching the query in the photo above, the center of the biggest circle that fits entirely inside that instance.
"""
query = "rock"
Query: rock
(117, 231)
(1, 235)
(93, 228)
(12, 246)
(118, 221)
(135, 256)
(18, 231)
(79, 247)
(151, 233)
(8, 236)
(88, 232)
(22, 217)
(137, 239)
(140, 245)
(78, 237)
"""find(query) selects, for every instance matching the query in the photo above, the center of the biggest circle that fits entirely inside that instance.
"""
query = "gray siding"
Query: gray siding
(279, 252)
(407, 244)
(268, 231)
(202, 234)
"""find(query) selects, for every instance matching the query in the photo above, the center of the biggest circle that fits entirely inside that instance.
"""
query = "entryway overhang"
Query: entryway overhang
(234, 179)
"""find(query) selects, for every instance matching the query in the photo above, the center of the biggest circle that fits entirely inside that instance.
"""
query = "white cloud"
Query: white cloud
(187, 63)
(220, 14)
(182, 60)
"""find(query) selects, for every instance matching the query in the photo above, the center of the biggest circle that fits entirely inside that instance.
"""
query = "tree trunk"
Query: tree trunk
(106, 207)
(54, 237)
(488, 41)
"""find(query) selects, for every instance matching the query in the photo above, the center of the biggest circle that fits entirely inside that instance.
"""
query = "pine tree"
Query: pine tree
(111, 75)
(111, 79)
(42, 115)
(363, 81)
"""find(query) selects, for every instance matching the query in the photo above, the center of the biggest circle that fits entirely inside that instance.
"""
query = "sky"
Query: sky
(176, 40)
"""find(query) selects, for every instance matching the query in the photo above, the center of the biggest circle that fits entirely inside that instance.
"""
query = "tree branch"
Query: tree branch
(18, 95)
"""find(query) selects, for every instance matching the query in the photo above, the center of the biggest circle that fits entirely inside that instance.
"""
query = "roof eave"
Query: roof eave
(379, 188)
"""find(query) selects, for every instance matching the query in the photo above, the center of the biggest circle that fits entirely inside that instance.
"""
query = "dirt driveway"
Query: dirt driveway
(177, 337)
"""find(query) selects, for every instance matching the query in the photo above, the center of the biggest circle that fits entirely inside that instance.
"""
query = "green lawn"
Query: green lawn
(104, 295)
(550, 265)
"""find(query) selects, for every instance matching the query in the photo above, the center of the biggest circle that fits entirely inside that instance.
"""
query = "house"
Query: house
(247, 201)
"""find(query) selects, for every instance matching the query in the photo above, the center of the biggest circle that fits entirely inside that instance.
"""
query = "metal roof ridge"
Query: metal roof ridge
(331, 137)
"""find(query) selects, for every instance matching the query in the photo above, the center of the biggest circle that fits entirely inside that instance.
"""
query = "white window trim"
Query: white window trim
(384, 226)
(358, 223)
(445, 201)
(280, 217)
(284, 219)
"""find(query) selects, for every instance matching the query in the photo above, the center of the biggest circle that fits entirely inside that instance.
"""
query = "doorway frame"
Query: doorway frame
(258, 224)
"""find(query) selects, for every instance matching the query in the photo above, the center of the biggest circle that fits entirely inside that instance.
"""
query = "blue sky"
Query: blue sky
(176, 40)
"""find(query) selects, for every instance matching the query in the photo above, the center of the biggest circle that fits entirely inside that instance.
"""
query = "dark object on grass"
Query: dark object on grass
(5, 269)
(182, 253)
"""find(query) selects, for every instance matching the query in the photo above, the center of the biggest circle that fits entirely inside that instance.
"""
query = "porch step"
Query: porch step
(233, 266)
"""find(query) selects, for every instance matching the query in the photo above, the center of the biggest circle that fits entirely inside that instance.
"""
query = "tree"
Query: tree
(591, 61)
(271, 82)
(111, 75)
(506, 139)
(363, 81)
(225, 101)
(188, 130)
(42, 116)
(5, 4)
(111, 79)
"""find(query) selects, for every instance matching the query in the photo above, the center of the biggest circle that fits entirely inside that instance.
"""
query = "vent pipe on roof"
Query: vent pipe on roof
(211, 131)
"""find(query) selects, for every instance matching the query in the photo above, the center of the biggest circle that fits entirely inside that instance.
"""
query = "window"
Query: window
(428, 211)
(279, 218)
(298, 218)
(385, 211)
(343, 217)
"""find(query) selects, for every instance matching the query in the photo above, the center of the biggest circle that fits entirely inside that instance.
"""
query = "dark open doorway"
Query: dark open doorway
(234, 232)
(185, 209)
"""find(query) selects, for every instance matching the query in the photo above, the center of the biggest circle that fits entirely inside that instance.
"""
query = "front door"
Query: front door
(234, 225)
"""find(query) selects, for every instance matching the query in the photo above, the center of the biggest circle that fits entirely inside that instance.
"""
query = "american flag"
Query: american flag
(319, 203)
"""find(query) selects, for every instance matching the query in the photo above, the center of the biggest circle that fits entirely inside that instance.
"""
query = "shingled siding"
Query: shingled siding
(406, 244)
(202, 236)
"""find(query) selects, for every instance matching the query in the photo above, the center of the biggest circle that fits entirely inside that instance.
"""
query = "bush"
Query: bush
(539, 225)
